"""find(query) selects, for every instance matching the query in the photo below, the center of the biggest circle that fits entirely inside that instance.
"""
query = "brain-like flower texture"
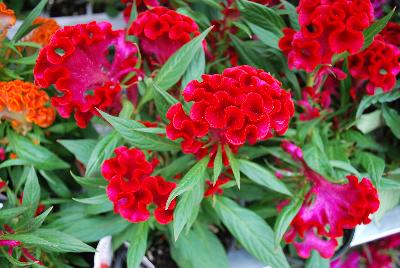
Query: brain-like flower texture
(43, 33)
(24, 104)
(132, 189)
(86, 63)
(161, 32)
(326, 28)
(243, 104)
(328, 209)
(7, 20)
(378, 65)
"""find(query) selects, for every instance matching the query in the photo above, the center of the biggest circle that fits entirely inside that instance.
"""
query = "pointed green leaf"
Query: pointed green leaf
(375, 28)
(392, 120)
(137, 244)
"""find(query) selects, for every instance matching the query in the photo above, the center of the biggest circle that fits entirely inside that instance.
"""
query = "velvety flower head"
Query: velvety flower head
(326, 28)
(161, 32)
(43, 33)
(391, 33)
(377, 66)
(243, 104)
(132, 189)
(328, 208)
(7, 20)
(86, 63)
(24, 104)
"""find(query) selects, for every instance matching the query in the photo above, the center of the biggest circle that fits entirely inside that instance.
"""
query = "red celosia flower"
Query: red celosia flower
(161, 32)
(132, 189)
(7, 20)
(379, 65)
(24, 104)
(86, 63)
(44, 32)
(326, 28)
(328, 209)
(2, 184)
(391, 33)
(214, 189)
(243, 104)
(140, 4)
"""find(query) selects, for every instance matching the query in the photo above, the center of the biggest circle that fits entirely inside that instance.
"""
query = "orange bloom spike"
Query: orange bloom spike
(23, 103)
(7, 20)
(44, 32)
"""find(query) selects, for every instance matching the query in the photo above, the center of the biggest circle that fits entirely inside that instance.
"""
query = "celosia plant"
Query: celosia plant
(198, 129)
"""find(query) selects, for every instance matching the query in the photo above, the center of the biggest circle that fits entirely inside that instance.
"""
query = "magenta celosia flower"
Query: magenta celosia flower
(132, 189)
(86, 63)
(350, 261)
(161, 32)
(328, 209)
(243, 104)
(326, 28)
(2, 154)
(391, 33)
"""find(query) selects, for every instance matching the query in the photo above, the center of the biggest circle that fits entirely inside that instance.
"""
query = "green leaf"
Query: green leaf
(89, 181)
(392, 120)
(52, 240)
(163, 100)
(381, 97)
(262, 176)
(55, 183)
(344, 166)
(385, 184)
(80, 148)
(316, 261)
(286, 216)
(267, 37)
(375, 28)
(188, 205)
(262, 16)
(293, 16)
(14, 162)
(38, 156)
(199, 248)
(177, 64)
(102, 151)
(178, 165)
(196, 68)
(193, 178)
(251, 231)
(374, 165)
(370, 121)
(217, 164)
(31, 196)
(36, 222)
(28, 60)
(10, 213)
(148, 141)
(138, 244)
(233, 164)
(94, 200)
(26, 25)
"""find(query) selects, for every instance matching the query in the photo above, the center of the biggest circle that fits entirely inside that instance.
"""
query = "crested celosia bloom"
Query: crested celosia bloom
(86, 63)
(326, 28)
(7, 20)
(391, 33)
(24, 104)
(328, 209)
(377, 66)
(43, 33)
(140, 5)
(243, 104)
(132, 189)
(161, 32)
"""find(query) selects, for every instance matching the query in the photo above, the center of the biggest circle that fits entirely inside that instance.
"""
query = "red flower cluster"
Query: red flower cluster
(241, 104)
(161, 32)
(140, 4)
(379, 65)
(132, 189)
(86, 63)
(328, 209)
(213, 189)
(326, 28)
(391, 33)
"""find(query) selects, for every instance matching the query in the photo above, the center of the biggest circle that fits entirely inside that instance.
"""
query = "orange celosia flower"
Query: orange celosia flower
(23, 103)
(7, 20)
(44, 32)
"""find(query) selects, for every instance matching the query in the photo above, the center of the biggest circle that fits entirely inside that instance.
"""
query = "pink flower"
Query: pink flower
(350, 261)
(2, 154)
(86, 63)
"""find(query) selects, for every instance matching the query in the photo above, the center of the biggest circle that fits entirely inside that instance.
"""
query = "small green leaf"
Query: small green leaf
(163, 100)
(234, 165)
(196, 68)
(177, 64)
(138, 244)
(80, 148)
(55, 183)
(374, 165)
(262, 176)
(217, 164)
(94, 200)
(392, 120)
(148, 141)
(375, 28)
(89, 181)
(381, 97)
(10, 213)
(267, 37)
(344, 166)
(293, 16)
(36, 222)
(316, 261)
(31, 196)
(251, 231)
(193, 178)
